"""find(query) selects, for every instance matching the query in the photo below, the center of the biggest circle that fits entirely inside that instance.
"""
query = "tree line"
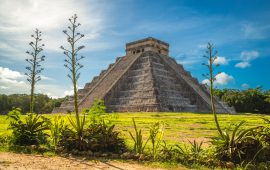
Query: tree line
(253, 100)
(43, 103)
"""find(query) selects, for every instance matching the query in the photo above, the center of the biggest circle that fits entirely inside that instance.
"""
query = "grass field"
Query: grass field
(179, 126)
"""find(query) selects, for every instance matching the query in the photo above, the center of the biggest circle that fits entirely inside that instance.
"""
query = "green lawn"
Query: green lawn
(179, 126)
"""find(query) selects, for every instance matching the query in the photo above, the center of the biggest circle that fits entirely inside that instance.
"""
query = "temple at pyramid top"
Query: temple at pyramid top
(146, 79)
(147, 44)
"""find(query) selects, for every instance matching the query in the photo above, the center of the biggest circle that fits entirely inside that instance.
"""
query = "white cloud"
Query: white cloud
(206, 81)
(221, 61)
(245, 86)
(243, 64)
(12, 81)
(68, 92)
(51, 17)
(6, 73)
(45, 77)
(246, 57)
(221, 79)
(249, 55)
(4, 87)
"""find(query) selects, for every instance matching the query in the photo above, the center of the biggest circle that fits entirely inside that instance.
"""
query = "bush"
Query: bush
(57, 127)
(96, 111)
(242, 145)
(4, 142)
(103, 137)
(29, 131)
(69, 141)
(97, 138)
(187, 154)
(98, 108)
(167, 152)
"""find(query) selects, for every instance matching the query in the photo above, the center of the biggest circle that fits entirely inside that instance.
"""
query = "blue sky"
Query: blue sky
(240, 31)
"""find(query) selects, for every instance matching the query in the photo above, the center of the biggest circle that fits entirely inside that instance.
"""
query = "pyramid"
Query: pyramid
(146, 79)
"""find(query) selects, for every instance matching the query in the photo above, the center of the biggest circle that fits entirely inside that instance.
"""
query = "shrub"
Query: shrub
(240, 145)
(166, 152)
(103, 137)
(98, 108)
(262, 135)
(96, 111)
(29, 131)
(57, 127)
(4, 142)
(77, 130)
(187, 154)
(69, 141)
(97, 138)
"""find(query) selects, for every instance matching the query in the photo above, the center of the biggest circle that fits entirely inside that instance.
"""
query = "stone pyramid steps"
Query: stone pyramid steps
(146, 79)
(102, 87)
(68, 105)
(199, 88)
(140, 90)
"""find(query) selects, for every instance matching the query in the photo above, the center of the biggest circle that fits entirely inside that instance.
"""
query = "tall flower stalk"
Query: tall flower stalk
(211, 56)
(73, 66)
(35, 68)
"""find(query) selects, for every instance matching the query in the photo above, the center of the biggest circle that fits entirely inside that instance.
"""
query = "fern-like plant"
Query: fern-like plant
(30, 131)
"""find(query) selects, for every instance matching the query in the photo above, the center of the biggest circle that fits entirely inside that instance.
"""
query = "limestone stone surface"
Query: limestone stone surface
(148, 80)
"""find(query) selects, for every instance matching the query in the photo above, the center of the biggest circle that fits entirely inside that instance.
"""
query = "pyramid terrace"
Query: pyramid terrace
(148, 80)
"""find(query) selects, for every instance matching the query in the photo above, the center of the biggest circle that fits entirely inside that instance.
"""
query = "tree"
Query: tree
(35, 68)
(73, 65)
(211, 56)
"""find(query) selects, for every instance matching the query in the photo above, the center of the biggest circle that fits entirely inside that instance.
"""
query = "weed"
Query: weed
(139, 145)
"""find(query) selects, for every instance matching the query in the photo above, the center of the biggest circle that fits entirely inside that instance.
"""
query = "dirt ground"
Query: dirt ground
(12, 161)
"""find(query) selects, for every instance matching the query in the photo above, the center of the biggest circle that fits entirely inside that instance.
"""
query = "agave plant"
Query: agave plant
(103, 137)
(139, 145)
(78, 129)
(196, 148)
(234, 146)
(57, 127)
(30, 131)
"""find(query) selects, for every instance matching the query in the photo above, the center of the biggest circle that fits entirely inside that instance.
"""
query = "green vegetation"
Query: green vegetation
(73, 66)
(178, 132)
(57, 126)
(139, 144)
(43, 103)
(178, 126)
(211, 56)
(156, 133)
(250, 100)
(35, 68)
(258, 101)
(28, 131)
